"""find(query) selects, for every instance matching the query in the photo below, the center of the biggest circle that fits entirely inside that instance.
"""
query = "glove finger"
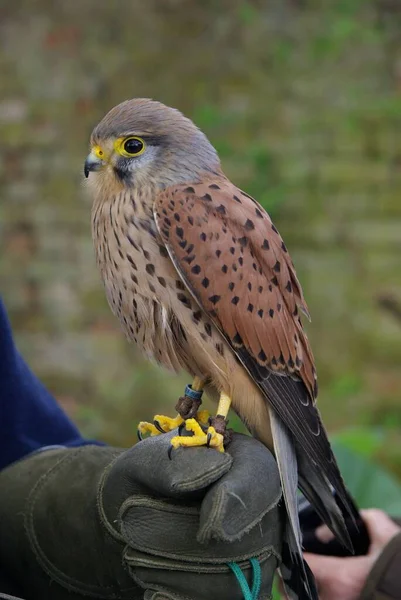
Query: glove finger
(177, 581)
(242, 496)
(185, 474)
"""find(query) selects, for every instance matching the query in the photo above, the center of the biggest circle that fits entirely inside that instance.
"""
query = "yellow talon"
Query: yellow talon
(168, 423)
(200, 438)
(215, 440)
(193, 425)
(147, 428)
(161, 424)
(203, 416)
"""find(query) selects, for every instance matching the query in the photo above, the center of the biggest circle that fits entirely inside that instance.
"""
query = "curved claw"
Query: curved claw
(181, 428)
(158, 427)
(170, 451)
(139, 435)
(211, 438)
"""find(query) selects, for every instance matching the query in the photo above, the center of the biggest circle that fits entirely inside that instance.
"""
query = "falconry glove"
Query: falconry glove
(100, 522)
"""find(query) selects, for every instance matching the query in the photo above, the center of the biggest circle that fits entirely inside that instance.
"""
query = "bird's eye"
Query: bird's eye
(132, 146)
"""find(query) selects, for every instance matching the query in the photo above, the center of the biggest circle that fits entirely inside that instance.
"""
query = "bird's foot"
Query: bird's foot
(209, 437)
(188, 410)
(161, 424)
(220, 425)
(203, 417)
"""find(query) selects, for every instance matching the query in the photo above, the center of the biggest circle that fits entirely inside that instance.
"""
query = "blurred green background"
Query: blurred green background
(303, 101)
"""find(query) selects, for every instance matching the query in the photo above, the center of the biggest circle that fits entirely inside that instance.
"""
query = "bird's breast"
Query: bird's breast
(157, 312)
(141, 283)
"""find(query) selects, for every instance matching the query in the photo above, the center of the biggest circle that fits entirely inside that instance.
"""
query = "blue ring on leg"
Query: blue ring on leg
(193, 394)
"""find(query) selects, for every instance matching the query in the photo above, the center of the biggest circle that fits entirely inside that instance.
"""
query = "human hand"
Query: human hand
(345, 577)
(132, 524)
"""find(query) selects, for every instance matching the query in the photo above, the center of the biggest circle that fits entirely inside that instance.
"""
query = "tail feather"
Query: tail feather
(296, 587)
(344, 500)
(338, 510)
(318, 491)
(297, 577)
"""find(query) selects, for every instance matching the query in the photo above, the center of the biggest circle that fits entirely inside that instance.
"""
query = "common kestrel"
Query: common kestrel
(201, 280)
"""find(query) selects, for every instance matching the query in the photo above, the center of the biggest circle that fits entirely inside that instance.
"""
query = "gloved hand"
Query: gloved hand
(99, 522)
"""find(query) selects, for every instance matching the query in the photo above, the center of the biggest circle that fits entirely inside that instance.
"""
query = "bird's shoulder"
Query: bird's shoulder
(233, 259)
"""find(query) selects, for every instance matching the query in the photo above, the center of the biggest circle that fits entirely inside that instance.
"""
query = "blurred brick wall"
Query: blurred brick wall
(302, 100)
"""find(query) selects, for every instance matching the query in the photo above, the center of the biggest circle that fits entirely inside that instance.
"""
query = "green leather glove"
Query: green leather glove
(100, 522)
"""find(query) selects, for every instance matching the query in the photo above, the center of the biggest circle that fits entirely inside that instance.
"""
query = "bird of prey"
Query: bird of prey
(201, 280)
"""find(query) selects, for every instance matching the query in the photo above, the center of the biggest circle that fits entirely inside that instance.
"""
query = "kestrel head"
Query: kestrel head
(142, 142)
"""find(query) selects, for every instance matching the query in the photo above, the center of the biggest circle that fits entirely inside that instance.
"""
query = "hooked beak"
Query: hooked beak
(92, 163)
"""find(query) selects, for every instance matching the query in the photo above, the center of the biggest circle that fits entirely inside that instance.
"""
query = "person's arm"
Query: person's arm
(384, 580)
(376, 576)
(30, 417)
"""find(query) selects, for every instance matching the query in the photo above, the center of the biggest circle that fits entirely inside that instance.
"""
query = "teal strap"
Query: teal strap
(257, 579)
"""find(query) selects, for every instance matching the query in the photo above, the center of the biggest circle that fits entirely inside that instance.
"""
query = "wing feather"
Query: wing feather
(234, 262)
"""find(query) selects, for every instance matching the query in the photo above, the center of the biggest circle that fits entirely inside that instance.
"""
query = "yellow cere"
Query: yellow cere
(97, 151)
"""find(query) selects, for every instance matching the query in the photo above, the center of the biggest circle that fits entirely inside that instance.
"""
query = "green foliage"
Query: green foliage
(362, 441)
(345, 385)
(247, 13)
(370, 485)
